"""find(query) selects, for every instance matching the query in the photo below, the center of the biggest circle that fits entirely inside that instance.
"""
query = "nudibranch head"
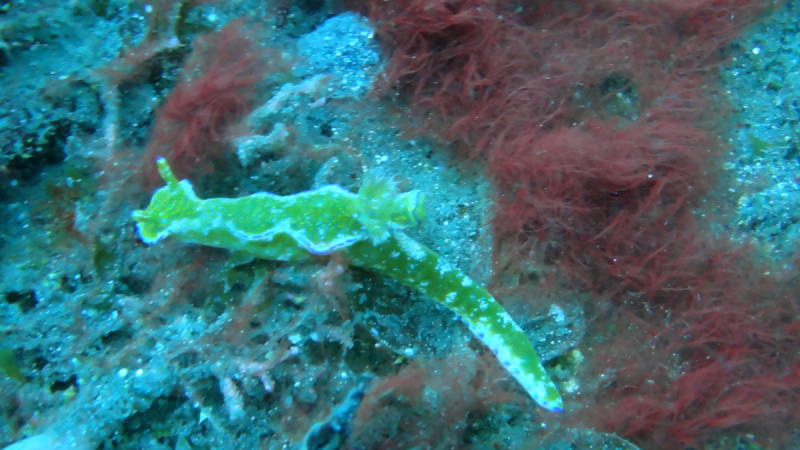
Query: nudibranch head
(170, 204)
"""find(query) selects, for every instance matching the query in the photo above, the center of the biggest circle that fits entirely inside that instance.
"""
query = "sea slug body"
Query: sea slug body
(367, 229)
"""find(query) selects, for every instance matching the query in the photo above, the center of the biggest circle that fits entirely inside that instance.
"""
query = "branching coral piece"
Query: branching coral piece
(366, 228)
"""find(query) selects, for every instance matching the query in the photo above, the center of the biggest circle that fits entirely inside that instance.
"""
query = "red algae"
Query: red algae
(190, 126)
(596, 121)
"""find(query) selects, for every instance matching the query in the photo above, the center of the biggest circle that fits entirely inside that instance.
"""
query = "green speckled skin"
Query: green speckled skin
(366, 229)
(417, 266)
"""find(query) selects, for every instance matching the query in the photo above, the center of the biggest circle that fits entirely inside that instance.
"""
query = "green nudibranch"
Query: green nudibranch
(366, 228)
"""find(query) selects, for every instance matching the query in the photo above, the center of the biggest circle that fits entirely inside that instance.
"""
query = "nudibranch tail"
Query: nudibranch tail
(421, 268)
